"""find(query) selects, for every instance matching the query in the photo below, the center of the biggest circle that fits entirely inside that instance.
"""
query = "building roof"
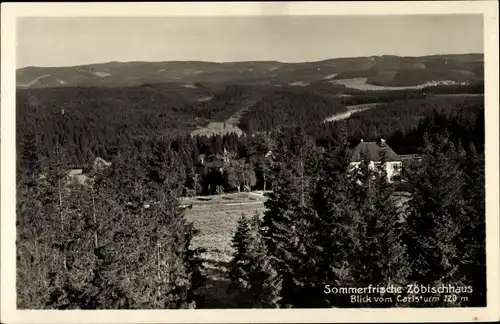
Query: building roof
(372, 150)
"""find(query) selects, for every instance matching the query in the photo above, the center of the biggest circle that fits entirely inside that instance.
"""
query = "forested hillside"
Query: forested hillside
(123, 241)
(95, 122)
(403, 123)
(282, 109)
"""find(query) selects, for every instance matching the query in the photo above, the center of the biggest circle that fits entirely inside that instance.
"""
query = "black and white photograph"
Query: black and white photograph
(271, 161)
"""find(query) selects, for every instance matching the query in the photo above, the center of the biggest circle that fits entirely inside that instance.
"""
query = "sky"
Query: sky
(69, 41)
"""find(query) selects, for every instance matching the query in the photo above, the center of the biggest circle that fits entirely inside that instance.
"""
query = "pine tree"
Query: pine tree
(239, 266)
(90, 280)
(63, 239)
(192, 185)
(31, 164)
(284, 225)
(437, 215)
(334, 205)
(262, 166)
(134, 257)
(165, 272)
(251, 271)
(474, 233)
(379, 257)
(265, 281)
(249, 178)
(35, 256)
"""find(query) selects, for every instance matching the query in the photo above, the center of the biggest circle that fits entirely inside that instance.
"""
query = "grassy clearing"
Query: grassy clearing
(361, 84)
(216, 218)
(215, 128)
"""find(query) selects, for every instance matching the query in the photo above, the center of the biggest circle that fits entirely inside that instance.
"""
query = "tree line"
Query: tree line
(92, 132)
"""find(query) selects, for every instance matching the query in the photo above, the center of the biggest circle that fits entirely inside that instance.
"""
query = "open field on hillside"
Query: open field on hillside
(361, 84)
(217, 128)
(229, 126)
(216, 217)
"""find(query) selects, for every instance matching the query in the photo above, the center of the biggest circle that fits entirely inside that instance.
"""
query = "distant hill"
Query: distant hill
(375, 70)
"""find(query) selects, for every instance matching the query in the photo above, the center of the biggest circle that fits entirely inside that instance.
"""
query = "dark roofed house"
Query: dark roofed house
(372, 151)
(83, 174)
(209, 163)
(215, 165)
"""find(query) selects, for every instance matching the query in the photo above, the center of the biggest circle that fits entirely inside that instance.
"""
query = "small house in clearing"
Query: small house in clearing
(82, 177)
(373, 152)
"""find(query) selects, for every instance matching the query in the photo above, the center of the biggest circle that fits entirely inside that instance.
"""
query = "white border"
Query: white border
(10, 11)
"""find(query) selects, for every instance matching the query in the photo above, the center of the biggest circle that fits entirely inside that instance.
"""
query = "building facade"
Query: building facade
(373, 152)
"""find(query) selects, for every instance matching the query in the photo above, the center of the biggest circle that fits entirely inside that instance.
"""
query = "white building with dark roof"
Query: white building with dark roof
(373, 152)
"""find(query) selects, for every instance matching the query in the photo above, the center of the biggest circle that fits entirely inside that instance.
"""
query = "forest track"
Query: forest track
(235, 118)
(351, 110)
(243, 203)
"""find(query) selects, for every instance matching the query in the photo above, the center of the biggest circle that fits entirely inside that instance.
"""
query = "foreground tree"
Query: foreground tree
(251, 271)
(437, 215)
(165, 271)
(378, 256)
(285, 224)
(333, 203)
(474, 233)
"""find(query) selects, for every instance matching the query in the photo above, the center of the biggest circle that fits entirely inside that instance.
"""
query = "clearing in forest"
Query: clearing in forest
(216, 218)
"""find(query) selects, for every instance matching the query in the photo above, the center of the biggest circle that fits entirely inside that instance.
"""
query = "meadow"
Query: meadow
(216, 218)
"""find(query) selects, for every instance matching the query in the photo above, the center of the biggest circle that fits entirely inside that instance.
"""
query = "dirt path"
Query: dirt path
(230, 125)
(351, 110)
(235, 118)
(244, 203)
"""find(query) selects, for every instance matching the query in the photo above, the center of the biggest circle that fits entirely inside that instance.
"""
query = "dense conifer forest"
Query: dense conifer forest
(97, 247)
(286, 108)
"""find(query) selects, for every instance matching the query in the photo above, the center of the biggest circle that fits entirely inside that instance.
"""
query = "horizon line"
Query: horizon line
(246, 61)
